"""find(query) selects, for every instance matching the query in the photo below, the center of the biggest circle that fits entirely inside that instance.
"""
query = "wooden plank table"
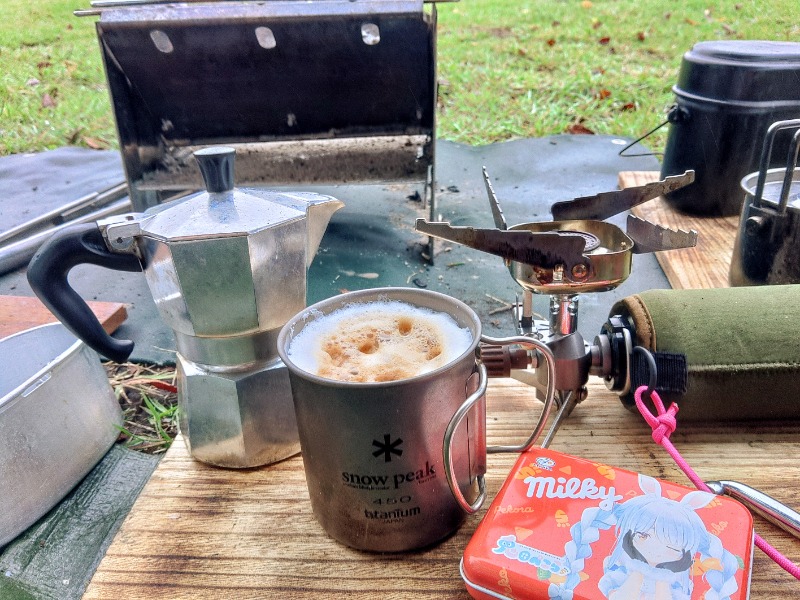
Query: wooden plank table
(201, 532)
(704, 266)
(18, 313)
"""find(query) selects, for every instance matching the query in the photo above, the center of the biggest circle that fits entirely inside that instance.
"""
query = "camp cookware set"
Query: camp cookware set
(227, 267)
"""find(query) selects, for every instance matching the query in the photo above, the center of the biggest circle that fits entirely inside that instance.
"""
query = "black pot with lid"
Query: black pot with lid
(728, 94)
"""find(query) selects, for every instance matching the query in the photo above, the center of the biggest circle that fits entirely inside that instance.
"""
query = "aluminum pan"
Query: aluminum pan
(58, 418)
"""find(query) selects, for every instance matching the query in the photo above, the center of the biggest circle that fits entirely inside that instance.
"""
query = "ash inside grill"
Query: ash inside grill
(330, 91)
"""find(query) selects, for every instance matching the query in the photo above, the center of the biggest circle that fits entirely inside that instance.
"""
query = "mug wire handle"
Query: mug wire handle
(473, 398)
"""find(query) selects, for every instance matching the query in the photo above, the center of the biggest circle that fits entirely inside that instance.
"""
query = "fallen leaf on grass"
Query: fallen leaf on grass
(641, 36)
(628, 106)
(604, 40)
(579, 129)
(48, 101)
(96, 143)
(602, 94)
(551, 42)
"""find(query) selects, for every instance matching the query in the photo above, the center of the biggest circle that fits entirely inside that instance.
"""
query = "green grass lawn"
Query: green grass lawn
(507, 68)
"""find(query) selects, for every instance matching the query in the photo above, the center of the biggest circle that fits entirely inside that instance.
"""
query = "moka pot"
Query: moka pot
(226, 268)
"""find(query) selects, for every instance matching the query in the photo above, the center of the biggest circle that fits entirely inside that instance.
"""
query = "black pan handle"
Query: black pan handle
(49, 268)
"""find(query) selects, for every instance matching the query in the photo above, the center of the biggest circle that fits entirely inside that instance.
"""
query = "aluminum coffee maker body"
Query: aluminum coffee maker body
(226, 269)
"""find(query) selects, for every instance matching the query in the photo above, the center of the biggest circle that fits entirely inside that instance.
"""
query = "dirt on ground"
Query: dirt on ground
(148, 398)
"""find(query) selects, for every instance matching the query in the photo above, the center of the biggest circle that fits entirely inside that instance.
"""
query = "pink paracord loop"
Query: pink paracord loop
(663, 424)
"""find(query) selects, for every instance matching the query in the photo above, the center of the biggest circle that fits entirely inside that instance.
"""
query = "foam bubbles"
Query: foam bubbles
(378, 341)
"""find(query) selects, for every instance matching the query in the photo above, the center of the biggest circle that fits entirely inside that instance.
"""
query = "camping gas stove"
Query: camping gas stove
(578, 252)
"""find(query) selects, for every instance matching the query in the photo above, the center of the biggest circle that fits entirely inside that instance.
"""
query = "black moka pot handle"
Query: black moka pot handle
(48, 272)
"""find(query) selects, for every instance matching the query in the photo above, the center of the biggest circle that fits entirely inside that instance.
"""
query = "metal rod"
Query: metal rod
(97, 6)
(563, 314)
(568, 400)
(62, 213)
(524, 313)
(17, 255)
(773, 511)
(527, 305)
(121, 3)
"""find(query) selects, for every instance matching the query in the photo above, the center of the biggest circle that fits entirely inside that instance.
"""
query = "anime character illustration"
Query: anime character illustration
(654, 557)
(657, 540)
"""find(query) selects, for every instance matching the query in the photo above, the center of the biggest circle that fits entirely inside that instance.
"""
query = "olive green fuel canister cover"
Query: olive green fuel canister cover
(742, 348)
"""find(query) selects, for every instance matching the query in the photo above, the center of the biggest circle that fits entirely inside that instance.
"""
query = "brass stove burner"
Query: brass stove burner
(577, 252)
(592, 241)
(606, 259)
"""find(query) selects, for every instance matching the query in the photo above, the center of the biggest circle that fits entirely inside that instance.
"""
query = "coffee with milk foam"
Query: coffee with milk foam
(378, 341)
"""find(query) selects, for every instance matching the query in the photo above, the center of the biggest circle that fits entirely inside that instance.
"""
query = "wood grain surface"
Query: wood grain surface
(200, 532)
(18, 313)
(704, 266)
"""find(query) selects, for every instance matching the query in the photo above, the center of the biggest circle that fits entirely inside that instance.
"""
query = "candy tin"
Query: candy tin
(564, 527)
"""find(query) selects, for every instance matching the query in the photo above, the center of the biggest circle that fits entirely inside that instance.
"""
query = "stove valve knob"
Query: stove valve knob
(500, 360)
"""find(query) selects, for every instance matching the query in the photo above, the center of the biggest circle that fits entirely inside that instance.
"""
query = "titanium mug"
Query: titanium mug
(390, 465)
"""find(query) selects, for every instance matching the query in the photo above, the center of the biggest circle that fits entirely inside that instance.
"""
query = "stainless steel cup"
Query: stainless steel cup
(394, 466)
(767, 246)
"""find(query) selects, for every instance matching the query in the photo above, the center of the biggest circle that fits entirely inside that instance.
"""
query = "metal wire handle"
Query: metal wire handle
(766, 154)
(676, 114)
(476, 396)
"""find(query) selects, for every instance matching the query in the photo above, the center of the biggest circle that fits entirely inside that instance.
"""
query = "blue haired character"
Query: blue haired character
(657, 542)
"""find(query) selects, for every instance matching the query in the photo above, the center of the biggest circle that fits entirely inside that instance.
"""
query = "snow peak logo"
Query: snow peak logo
(388, 447)
(389, 481)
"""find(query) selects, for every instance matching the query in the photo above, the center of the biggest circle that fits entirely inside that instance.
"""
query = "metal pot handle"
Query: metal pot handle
(791, 164)
(676, 114)
(48, 277)
(766, 154)
(476, 396)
